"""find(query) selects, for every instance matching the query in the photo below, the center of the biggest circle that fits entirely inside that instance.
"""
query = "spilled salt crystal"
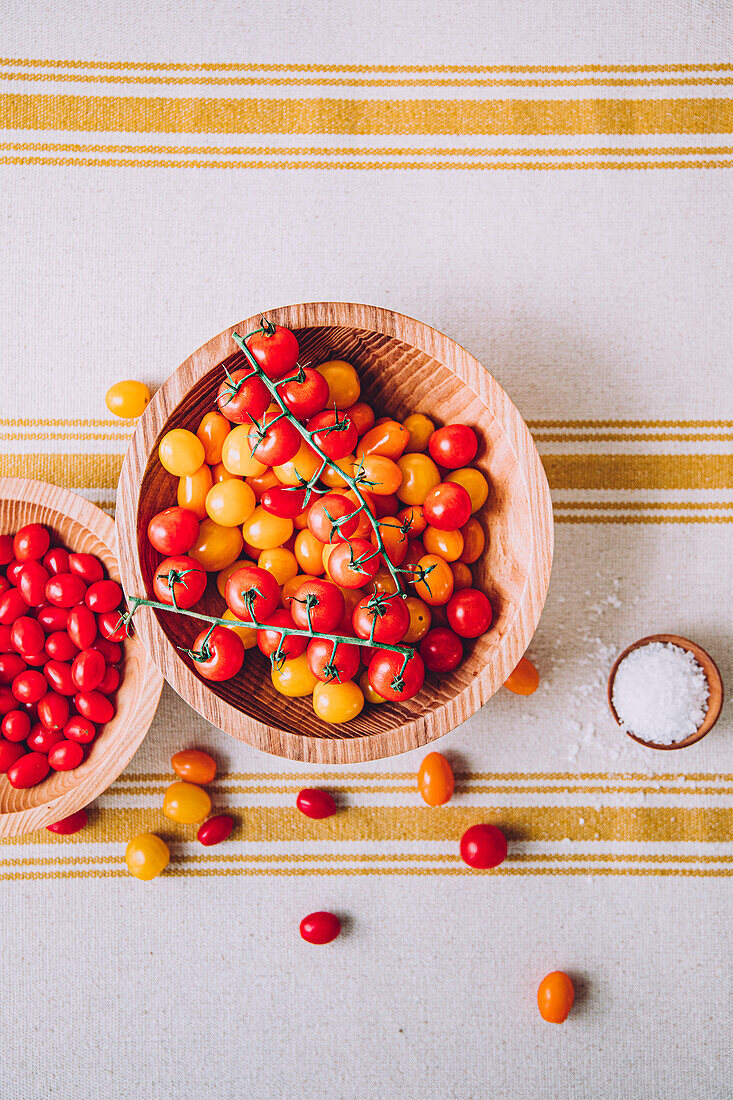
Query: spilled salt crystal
(660, 693)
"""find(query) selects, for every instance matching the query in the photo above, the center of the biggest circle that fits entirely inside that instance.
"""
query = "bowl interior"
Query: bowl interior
(397, 379)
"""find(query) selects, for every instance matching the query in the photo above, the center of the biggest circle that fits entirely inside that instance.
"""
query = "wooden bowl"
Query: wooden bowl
(80, 526)
(404, 367)
(712, 675)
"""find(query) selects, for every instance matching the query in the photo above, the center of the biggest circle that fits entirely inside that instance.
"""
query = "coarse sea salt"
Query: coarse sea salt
(660, 693)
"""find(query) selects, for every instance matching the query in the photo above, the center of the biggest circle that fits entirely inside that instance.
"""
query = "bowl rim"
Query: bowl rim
(414, 732)
(98, 523)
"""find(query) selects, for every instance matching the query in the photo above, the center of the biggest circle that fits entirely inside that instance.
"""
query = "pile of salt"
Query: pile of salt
(660, 693)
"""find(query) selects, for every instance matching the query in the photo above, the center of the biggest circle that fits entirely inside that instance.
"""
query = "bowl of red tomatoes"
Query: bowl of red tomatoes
(335, 532)
(77, 695)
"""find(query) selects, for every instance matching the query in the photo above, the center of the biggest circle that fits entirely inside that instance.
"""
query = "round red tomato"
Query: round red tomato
(178, 580)
(391, 680)
(320, 927)
(243, 396)
(11, 665)
(16, 725)
(284, 501)
(306, 395)
(60, 647)
(276, 441)
(252, 594)
(29, 687)
(447, 506)
(441, 650)
(31, 542)
(173, 531)
(381, 618)
(42, 739)
(453, 446)
(275, 350)
(469, 613)
(65, 590)
(483, 847)
(32, 581)
(87, 567)
(324, 514)
(334, 433)
(6, 549)
(113, 627)
(10, 753)
(71, 824)
(270, 640)
(317, 605)
(329, 664)
(354, 563)
(218, 654)
(110, 681)
(81, 625)
(103, 596)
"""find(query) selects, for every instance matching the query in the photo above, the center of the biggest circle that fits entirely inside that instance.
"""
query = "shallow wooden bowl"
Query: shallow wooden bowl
(80, 526)
(405, 367)
(712, 675)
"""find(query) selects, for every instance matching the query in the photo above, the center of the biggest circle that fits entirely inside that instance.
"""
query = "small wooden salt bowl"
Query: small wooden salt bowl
(82, 527)
(712, 675)
(404, 367)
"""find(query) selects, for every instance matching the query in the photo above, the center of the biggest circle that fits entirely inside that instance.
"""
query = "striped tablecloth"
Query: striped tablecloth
(551, 190)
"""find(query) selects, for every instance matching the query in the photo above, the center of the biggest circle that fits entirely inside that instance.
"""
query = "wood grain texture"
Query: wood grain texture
(82, 527)
(405, 366)
(712, 675)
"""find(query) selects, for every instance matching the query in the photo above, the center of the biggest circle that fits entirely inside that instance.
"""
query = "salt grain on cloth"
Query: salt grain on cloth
(660, 693)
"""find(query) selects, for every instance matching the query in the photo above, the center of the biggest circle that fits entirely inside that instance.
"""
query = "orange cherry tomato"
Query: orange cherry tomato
(300, 522)
(435, 780)
(280, 562)
(420, 428)
(437, 587)
(220, 473)
(524, 680)
(332, 475)
(212, 431)
(462, 577)
(413, 516)
(309, 553)
(217, 546)
(419, 476)
(420, 619)
(301, 468)
(361, 416)
(475, 484)
(194, 765)
(415, 551)
(393, 537)
(446, 544)
(181, 452)
(474, 541)
(266, 531)
(389, 439)
(230, 502)
(382, 476)
(192, 491)
(555, 997)
(262, 482)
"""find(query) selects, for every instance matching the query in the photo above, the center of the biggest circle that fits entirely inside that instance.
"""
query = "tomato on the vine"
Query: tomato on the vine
(307, 396)
(270, 640)
(323, 514)
(243, 396)
(252, 594)
(333, 432)
(317, 605)
(178, 580)
(453, 446)
(274, 440)
(275, 349)
(394, 539)
(447, 506)
(413, 520)
(380, 475)
(441, 650)
(470, 613)
(393, 678)
(329, 663)
(218, 654)
(354, 563)
(287, 503)
(433, 580)
(387, 616)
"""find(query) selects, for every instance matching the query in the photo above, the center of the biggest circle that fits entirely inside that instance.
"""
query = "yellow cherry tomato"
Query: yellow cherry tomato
(419, 476)
(462, 577)
(420, 619)
(344, 387)
(370, 695)
(217, 546)
(224, 574)
(332, 477)
(420, 428)
(146, 856)
(555, 997)
(230, 502)
(187, 803)
(265, 531)
(382, 476)
(446, 544)
(192, 491)
(294, 678)
(212, 431)
(524, 680)
(435, 780)
(236, 454)
(475, 484)
(247, 634)
(301, 468)
(291, 587)
(309, 553)
(280, 562)
(127, 399)
(181, 452)
(437, 587)
(389, 439)
(474, 542)
(220, 473)
(262, 482)
(338, 701)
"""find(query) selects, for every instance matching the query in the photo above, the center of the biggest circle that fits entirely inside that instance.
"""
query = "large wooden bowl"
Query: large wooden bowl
(80, 526)
(405, 367)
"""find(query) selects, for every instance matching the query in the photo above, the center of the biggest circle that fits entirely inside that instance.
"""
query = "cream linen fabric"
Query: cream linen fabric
(549, 184)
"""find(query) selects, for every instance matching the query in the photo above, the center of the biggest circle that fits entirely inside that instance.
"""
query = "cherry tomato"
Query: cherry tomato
(361, 416)
(65, 756)
(441, 650)
(181, 452)
(555, 997)
(146, 856)
(29, 687)
(462, 577)
(483, 847)
(192, 490)
(389, 439)
(435, 780)
(216, 546)
(324, 514)
(80, 729)
(16, 725)
(301, 468)
(391, 680)
(335, 475)
(229, 503)
(412, 520)
(420, 619)
(27, 636)
(112, 626)
(187, 803)
(56, 560)
(394, 540)
(265, 531)
(65, 590)
(212, 431)
(219, 654)
(433, 581)
(53, 711)
(344, 387)
(173, 531)
(419, 476)
(320, 927)
(327, 663)
(317, 605)
(307, 396)
(252, 594)
(11, 665)
(103, 596)
(447, 545)
(271, 640)
(194, 765)
(86, 566)
(215, 830)
(111, 651)
(52, 618)
(81, 625)
(420, 428)
(293, 678)
(94, 706)
(12, 607)
(309, 552)
(32, 581)
(110, 681)
(475, 484)
(380, 475)
(42, 739)
(333, 432)
(128, 399)
(290, 587)
(58, 675)
(353, 564)
(315, 803)
(74, 823)
(8, 701)
(381, 618)
(276, 441)
(336, 702)
(474, 541)
(280, 562)
(453, 446)
(370, 695)
(262, 482)
(236, 455)
(243, 396)
(524, 680)
(28, 770)
(31, 542)
(447, 506)
(6, 549)
(10, 754)
(287, 503)
(470, 613)
(88, 669)
(275, 350)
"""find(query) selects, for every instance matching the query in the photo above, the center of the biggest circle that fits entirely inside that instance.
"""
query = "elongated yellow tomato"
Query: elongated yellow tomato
(435, 780)
(382, 475)
(301, 468)
(420, 619)
(344, 387)
(448, 545)
(236, 453)
(420, 428)
(212, 431)
(280, 562)
(294, 678)
(265, 531)
(230, 502)
(291, 587)
(370, 695)
(437, 586)
(389, 439)
(192, 491)
(223, 575)
(127, 399)
(181, 452)
(419, 476)
(146, 856)
(217, 546)
(524, 680)
(332, 477)
(338, 702)
(309, 553)
(475, 484)
(247, 634)
(187, 803)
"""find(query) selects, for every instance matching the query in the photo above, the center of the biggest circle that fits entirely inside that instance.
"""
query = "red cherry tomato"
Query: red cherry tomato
(320, 927)
(57, 560)
(32, 581)
(58, 674)
(10, 753)
(179, 580)
(68, 825)
(307, 397)
(219, 654)
(327, 664)
(453, 446)
(315, 803)
(8, 701)
(60, 647)
(334, 433)
(322, 517)
(86, 566)
(353, 563)
(27, 636)
(381, 618)
(28, 770)
(283, 502)
(65, 590)
(110, 681)
(252, 594)
(215, 830)
(88, 669)
(111, 651)
(4, 585)
(5, 646)
(80, 729)
(269, 640)
(29, 687)
(11, 665)
(243, 396)
(483, 847)
(65, 756)
(447, 506)
(54, 618)
(31, 542)
(441, 650)
(103, 596)
(6, 549)
(94, 706)
(12, 573)
(16, 725)
(275, 350)
(317, 605)
(53, 711)
(81, 626)
(277, 443)
(388, 678)
(173, 531)
(112, 626)
(12, 606)
(469, 613)
(42, 739)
